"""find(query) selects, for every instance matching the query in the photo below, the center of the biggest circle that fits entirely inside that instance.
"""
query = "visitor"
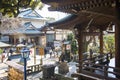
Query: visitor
(50, 51)
(45, 52)
(11, 51)
(62, 57)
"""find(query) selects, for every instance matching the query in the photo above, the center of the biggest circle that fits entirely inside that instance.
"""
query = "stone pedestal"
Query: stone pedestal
(63, 68)
(16, 71)
(48, 71)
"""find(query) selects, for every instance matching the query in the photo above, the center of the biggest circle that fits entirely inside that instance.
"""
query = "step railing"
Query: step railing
(101, 71)
(99, 64)
(34, 68)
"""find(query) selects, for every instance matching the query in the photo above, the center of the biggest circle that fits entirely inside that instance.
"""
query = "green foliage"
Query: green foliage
(1, 51)
(70, 37)
(109, 43)
(74, 48)
(94, 46)
(73, 41)
(12, 7)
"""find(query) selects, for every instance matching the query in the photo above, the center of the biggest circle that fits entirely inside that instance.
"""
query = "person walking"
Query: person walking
(11, 51)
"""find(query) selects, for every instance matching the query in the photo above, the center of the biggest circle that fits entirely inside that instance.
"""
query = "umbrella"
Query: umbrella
(2, 44)
(20, 45)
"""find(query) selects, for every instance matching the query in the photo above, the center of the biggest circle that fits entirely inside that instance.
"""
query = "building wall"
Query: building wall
(35, 22)
(49, 38)
(38, 23)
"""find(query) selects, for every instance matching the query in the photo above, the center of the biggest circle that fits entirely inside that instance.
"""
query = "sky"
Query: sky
(57, 15)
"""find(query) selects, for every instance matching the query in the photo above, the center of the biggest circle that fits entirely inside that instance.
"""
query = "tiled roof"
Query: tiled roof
(30, 14)
(30, 29)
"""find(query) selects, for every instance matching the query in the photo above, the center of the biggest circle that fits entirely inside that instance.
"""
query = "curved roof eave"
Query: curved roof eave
(48, 1)
(62, 21)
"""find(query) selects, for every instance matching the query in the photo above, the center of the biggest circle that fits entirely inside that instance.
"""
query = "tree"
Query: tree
(12, 7)
(109, 42)
(11, 25)
(73, 41)
(1, 51)
(74, 48)
(70, 37)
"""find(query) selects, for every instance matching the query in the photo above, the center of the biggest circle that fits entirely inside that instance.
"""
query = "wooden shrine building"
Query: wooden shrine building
(89, 17)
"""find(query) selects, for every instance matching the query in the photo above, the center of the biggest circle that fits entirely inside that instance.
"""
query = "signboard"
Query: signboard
(57, 43)
(68, 47)
(41, 51)
(66, 42)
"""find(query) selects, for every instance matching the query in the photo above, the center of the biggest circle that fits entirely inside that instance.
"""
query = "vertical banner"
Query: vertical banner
(41, 51)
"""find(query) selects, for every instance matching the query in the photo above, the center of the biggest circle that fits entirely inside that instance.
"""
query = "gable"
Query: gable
(33, 14)
(30, 14)
(29, 26)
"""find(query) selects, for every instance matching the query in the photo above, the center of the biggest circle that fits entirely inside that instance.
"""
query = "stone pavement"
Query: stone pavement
(46, 60)
(3, 71)
(17, 58)
(72, 69)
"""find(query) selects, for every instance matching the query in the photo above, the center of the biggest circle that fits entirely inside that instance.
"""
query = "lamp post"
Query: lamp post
(25, 54)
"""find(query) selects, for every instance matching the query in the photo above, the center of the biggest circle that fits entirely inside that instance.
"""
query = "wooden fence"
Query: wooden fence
(98, 67)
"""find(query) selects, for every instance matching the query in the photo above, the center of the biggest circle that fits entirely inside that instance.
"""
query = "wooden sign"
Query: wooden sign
(41, 51)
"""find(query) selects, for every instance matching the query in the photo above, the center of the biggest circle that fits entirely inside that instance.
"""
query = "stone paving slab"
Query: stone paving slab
(3, 73)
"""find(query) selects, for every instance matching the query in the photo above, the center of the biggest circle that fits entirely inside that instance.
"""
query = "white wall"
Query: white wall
(35, 22)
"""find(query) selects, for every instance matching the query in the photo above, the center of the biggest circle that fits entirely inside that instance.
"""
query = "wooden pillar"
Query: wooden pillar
(117, 45)
(35, 55)
(45, 38)
(80, 39)
(101, 41)
(117, 36)
(14, 40)
(55, 34)
(62, 34)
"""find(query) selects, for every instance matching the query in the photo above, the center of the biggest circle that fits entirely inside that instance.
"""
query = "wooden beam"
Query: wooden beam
(83, 5)
(96, 13)
(91, 33)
